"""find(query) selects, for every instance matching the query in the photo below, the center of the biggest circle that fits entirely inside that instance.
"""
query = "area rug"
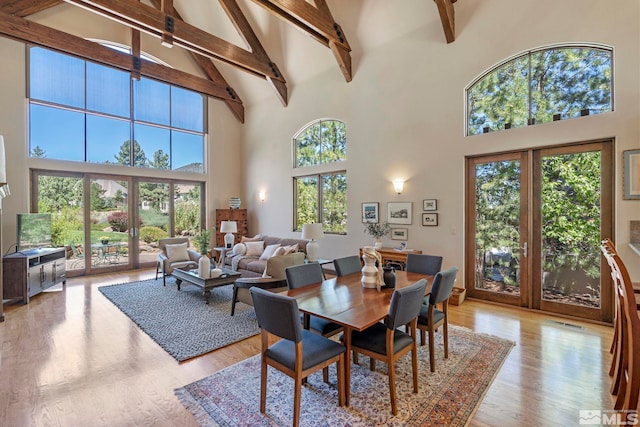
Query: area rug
(448, 397)
(180, 321)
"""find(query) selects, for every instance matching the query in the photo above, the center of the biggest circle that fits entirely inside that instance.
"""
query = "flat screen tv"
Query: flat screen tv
(34, 231)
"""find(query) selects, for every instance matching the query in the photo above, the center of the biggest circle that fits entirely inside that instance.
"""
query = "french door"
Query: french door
(535, 219)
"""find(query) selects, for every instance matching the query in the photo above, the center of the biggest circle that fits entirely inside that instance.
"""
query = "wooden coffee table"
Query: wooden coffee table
(191, 276)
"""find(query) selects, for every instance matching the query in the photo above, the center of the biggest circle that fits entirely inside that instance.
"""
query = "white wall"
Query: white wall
(404, 112)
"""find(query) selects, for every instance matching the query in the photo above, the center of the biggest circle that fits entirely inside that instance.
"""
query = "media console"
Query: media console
(30, 272)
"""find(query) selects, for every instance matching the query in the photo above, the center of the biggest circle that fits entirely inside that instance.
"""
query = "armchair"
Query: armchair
(275, 282)
(175, 253)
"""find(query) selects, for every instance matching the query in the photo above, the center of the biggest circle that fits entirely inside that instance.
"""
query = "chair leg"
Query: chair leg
(157, 269)
(372, 363)
(432, 350)
(392, 385)
(234, 299)
(445, 335)
(263, 385)
(296, 401)
(325, 374)
(341, 387)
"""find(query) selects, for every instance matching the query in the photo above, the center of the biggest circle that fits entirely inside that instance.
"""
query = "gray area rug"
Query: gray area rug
(180, 321)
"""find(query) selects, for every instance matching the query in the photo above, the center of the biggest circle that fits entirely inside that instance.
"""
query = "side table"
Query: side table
(220, 254)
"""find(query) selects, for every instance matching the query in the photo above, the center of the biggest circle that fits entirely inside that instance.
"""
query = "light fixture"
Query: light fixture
(4, 187)
(312, 232)
(398, 185)
(229, 227)
(262, 195)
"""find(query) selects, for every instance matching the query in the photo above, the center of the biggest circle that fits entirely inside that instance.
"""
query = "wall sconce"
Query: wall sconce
(262, 195)
(398, 185)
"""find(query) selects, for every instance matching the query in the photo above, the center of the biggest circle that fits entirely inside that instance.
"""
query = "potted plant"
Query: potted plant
(377, 230)
(202, 240)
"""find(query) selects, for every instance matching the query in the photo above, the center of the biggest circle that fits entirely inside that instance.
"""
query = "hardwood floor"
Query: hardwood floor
(71, 358)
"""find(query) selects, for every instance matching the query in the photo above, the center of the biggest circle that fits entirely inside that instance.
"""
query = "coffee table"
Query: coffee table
(191, 276)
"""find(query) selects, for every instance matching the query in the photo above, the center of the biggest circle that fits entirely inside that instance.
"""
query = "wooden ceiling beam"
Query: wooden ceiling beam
(31, 32)
(22, 8)
(447, 16)
(318, 23)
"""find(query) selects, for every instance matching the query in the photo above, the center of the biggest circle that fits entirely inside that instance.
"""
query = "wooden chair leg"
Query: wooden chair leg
(392, 385)
(445, 335)
(234, 299)
(372, 363)
(263, 385)
(296, 401)
(325, 375)
(432, 350)
(340, 370)
(414, 366)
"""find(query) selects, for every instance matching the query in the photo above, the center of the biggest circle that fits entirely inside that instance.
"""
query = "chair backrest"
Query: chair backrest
(405, 304)
(443, 285)
(278, 314)
(424, 264)
(303, 275)
(162, 243)
(347, 265)
(276, 265)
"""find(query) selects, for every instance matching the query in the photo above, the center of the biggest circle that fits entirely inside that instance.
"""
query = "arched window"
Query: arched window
(320, 179)
(542, 85)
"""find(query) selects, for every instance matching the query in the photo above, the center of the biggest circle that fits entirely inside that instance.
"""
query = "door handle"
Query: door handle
(525, 250)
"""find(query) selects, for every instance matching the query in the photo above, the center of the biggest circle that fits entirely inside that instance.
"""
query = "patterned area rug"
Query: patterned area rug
(448, 397)
(180, 321)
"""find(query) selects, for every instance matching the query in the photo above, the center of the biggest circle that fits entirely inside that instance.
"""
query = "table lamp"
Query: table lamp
(312, 232)
(229, 227)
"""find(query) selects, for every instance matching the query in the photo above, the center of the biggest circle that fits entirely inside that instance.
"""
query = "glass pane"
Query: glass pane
(109, 223)
(108, 90)
(571, 228)
(334, 141)
(62, 197)
(187, 109)
(151, 101)
(308, 146)
(151, 145)
(501, 98)
(55, 77)
(106, 138)
(497, 239)
(187, 153)
(188, 203)
(334, 203)
(567, 81)
(56, 133)
(306, 200)
(153, 206)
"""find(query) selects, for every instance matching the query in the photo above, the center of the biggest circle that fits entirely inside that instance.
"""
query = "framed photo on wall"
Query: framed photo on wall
(399, 212)
(430, 219)
(399, 233)
(430, 205)
(631, 174)
(370, 212)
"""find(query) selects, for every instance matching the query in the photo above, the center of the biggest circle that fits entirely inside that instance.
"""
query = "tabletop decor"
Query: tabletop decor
(377, 231)
(371, 275)
(204, 263)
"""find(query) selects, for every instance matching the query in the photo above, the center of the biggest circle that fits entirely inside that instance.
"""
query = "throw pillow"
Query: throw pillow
(250, 239)
(291, 249)
(280, 251)
(177, 252)
(269, 251)
(239, 249)
(254, 248)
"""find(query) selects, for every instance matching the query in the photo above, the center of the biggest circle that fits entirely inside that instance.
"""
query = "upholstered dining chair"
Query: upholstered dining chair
(424, 264)
(174, 253)
(431, 318)
(385, 342)
(347, 265)
(304, 275)
(299, 353)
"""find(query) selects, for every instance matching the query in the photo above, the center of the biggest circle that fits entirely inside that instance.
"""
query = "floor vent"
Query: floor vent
(571, 325)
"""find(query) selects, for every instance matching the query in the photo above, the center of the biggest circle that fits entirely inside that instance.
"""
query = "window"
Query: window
(320, 196)
(88, 112)
(541, 86)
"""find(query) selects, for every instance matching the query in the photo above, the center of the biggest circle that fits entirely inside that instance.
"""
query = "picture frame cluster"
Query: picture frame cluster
(429, 217)
(401, 213)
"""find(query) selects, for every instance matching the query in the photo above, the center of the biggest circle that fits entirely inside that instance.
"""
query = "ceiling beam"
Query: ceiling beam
(447, 16)
(22, 8)
(31, 32)
(318, 23)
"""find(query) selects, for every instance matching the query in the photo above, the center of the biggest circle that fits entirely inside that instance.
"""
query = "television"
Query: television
(34, 231)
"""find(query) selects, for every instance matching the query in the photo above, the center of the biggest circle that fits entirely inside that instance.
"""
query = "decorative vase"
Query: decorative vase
(378, 244)
(204, 267)
(389, 277)
(234, 203)
(370, 273)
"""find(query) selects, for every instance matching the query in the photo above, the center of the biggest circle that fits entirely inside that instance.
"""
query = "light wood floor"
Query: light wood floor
(71, 358)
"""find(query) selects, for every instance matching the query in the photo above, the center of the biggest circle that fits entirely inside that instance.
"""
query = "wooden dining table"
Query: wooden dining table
(345, 301)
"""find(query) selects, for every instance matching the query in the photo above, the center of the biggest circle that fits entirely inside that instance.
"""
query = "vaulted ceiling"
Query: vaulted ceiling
(228, 40)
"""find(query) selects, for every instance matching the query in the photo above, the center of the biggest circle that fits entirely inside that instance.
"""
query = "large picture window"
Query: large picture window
(88, 112)
(541, 86)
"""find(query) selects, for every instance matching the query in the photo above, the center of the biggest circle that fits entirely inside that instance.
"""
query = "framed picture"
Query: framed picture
(399, 212)
(399, 233)
(430, 205)
(429, 219)
(370, 212)
(631, 174)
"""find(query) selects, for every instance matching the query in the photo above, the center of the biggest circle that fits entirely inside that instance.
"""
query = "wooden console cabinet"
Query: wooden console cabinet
(28, 273)
(390, 255)
(238, 215)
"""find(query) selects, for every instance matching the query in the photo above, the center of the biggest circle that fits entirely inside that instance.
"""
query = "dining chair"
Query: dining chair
(299, 353)
(384, 341)
(302, 275)
(431, 318)
(423, 264)
(347, 265)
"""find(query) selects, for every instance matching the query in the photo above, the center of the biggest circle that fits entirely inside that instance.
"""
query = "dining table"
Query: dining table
(345, 301)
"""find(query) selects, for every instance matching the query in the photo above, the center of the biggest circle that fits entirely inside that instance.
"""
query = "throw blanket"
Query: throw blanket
(236, 259)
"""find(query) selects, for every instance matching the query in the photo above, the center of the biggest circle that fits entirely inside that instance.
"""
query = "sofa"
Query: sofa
(251, 264)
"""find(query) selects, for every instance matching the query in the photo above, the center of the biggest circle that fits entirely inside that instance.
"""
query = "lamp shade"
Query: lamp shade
(312, 231)
(228, 227)
(3, 165)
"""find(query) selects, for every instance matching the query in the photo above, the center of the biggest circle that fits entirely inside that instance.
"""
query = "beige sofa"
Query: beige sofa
(253, 266)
